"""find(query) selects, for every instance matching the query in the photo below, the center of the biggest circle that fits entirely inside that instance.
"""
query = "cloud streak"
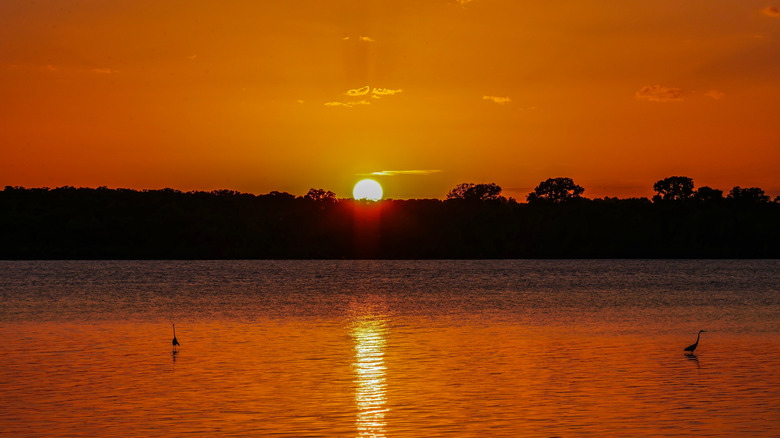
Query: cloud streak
(715, 94)
(497, 99)
(62, 69)
(402, 172)
(365, 39)
(659, 93)
(349, 104)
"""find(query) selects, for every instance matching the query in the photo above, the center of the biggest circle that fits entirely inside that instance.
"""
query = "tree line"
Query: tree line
(558, 190)
(474, 221)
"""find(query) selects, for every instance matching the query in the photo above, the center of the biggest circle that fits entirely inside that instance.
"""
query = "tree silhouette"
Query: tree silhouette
(320, 195)
(476, 192)
(753, 195)
(708, 194)
(673, 188)
(555, 190)
(281, 196)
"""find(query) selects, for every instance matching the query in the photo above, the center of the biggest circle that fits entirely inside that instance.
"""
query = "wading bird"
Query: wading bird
(175, 342)
(689, 348)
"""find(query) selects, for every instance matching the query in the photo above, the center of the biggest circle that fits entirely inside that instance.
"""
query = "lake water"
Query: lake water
(389, 348)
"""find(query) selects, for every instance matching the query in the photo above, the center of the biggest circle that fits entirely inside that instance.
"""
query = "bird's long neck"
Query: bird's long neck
(174, 332)
(697, 336)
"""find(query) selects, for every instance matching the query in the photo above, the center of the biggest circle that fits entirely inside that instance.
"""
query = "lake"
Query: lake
(558, 348)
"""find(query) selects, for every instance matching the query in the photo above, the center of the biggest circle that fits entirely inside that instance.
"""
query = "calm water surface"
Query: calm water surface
(390, 348)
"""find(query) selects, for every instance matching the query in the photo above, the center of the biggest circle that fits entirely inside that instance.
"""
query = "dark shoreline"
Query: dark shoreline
(105, 224)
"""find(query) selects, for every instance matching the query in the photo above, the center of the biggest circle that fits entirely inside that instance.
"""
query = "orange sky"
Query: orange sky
(290, 94)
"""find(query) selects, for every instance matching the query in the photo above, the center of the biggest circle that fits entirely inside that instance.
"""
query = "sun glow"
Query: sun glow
(367, 189)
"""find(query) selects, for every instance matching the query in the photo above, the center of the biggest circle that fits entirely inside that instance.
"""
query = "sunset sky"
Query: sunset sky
(288, 95)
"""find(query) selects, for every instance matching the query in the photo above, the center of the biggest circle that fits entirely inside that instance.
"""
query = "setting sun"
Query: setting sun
(367, 189)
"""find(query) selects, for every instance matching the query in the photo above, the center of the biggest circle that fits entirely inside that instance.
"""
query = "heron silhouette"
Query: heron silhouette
(690, 348)
(175, 342)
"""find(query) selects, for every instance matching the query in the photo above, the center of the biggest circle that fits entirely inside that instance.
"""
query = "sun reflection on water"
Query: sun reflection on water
(371, 391)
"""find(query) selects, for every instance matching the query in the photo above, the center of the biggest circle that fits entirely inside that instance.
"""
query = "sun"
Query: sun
(367, 189)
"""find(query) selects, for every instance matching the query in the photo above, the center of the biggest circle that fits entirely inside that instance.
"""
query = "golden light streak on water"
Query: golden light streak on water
(371, 390)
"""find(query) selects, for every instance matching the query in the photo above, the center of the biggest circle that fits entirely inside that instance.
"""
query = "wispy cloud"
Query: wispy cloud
(362, 91)
(385, 92)
(771, 11)
(365, 39)
(348, 104)
(659, 93)
(715, 94)
(358, 96)
(104, 71)
(47, 67)
(497, 99)
(402, 172)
